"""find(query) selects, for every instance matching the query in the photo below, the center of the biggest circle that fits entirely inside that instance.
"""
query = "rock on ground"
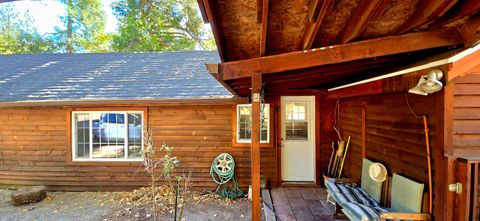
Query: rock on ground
(29, 194)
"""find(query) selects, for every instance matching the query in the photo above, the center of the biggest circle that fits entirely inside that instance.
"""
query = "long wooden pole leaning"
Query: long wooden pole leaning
(255, 145)
(344, 155)
(429, 162)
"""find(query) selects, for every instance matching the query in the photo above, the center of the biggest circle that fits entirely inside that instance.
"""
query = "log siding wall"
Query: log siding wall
(34, 146)
(394, 136)
(465, 118)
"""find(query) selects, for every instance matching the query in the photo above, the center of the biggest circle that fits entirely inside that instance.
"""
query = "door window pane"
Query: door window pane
(296, 122)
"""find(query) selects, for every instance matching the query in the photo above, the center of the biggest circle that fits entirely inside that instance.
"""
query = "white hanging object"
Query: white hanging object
(429, 83)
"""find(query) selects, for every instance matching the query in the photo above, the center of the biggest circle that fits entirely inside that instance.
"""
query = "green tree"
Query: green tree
(18, 35)
(83, 27)
(159, 25)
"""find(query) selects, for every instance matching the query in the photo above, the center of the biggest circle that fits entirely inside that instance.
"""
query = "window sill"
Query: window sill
(247, 145)
(122, 162)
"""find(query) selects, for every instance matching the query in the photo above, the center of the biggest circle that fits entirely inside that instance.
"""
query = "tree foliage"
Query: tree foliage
(83, 27)
(143, 26)
(158, 25)
(18, 35)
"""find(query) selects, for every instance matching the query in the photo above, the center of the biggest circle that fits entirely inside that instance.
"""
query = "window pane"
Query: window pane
(134, 135)
(244, 130)
(82, 139)
(296, 130)
(264, 135)
(245, 123)
(108, 135)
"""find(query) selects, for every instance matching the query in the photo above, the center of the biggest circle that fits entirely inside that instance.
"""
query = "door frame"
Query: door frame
(317, 139)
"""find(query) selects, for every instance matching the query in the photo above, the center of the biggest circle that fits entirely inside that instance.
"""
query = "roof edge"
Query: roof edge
(126, 102)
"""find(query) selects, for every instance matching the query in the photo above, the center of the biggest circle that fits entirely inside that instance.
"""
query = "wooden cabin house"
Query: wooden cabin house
(60, 115)
(351, 64)
(304, 66)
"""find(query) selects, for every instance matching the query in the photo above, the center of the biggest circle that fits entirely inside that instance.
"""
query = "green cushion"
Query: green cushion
(373, 188)
(406, 195)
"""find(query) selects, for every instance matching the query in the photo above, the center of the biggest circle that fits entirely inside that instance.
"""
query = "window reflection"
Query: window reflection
(134, 135)
(296, 124)
(244, 125)
(83, 135)
(108, 135)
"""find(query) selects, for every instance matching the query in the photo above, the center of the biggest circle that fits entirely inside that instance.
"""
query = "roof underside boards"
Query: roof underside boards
(333, 75)
(48, 77)
(238, 27)
(302, 26)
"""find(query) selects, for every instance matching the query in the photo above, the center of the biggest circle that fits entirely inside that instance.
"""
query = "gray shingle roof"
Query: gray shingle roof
(36, 77)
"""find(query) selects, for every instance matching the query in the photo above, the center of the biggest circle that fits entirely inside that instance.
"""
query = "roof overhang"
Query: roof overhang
(317, 45)
(124, 102)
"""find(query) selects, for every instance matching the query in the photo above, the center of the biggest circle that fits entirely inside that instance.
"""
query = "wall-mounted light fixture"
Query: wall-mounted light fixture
(429, 83)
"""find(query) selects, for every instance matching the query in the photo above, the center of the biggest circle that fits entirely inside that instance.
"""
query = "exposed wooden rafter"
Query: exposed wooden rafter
(317, 11)
(202, 11)
(207, 7)
(467, 8)
(365, 12)
(340, 53)
(428, 10)
(262, 18)
(471, 32)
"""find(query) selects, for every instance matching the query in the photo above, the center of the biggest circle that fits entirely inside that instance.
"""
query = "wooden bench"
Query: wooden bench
(405, 196)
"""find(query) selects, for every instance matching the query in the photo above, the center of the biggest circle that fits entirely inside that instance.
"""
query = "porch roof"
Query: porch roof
(316, 45)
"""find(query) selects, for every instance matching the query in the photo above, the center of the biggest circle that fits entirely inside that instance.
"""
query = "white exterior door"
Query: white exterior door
(298, 138)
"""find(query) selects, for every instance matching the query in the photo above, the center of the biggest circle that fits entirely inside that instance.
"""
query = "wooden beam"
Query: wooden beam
(365, 12)
(427, 11)
(263, 27)
(213, 70)
(255, 145)
(364, 130)
(371, 88)
(317, 11)
(211, 18)
(463, 66)
(201, 6)
(340, 53)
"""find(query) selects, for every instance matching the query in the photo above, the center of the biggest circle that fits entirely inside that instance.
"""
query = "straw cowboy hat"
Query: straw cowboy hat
(377, 172)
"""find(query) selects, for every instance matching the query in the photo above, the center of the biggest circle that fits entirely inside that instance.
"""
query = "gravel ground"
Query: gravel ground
(104, 206)
(61, 206)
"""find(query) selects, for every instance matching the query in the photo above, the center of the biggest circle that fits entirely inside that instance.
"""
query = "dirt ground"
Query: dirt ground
(107, 206)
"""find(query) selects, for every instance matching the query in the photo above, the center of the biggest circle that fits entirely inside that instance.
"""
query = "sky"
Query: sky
(46, 13)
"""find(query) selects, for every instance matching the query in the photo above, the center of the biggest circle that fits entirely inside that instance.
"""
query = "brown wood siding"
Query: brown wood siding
(394, 136)
(466, 116)
(327, 134)
(34, 145)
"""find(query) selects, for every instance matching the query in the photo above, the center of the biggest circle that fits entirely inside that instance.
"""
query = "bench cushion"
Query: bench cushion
(349, 193)
(406, 195)
(372, 187)
(359, 212)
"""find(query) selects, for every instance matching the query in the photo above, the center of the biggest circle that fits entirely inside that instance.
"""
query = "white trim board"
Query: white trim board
(449, 60)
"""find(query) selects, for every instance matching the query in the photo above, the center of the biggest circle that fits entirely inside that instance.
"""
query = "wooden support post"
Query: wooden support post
(255, 146)
(364, 130)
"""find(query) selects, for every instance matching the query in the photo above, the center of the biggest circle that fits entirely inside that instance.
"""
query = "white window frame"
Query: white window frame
(237, 132)
(125, 152)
